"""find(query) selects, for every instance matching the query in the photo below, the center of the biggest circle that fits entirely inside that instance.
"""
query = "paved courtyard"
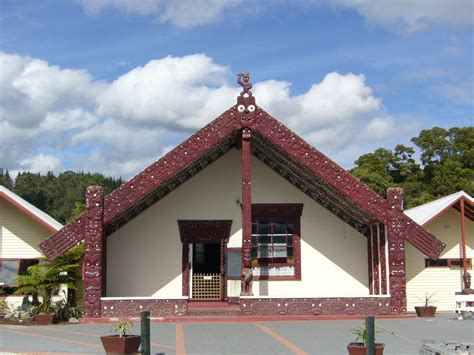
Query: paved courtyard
(402, 336)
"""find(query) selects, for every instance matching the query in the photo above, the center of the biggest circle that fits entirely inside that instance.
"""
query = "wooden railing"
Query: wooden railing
(207, 286)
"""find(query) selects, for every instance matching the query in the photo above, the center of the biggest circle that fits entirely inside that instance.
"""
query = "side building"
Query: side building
(22, 228)
(450, 219)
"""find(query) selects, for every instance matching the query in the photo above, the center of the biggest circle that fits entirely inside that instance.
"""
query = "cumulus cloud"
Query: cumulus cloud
(119, 128)
(182, 13)
(411, 16)
(179, 92)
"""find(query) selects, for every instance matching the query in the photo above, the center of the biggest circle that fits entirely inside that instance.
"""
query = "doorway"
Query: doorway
(207, 278)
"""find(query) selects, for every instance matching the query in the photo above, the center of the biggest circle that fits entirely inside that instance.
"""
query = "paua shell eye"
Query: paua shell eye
(241, 108)
(251, 108)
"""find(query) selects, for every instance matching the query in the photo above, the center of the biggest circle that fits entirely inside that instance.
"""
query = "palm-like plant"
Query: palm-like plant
(43, 278)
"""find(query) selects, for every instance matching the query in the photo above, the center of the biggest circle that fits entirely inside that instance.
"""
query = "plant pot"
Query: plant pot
(423, 311)
(44, 319)
(360, 349)
(122, 345)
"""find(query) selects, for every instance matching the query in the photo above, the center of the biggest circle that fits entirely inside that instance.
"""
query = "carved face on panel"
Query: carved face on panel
(246, 110)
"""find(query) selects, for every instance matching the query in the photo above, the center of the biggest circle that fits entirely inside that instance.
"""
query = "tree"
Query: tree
(448, 159)
(5, 179)
(43, 278)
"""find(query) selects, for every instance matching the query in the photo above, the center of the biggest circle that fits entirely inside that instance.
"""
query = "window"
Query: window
(10, 268)
(276, 241)
(448, 263)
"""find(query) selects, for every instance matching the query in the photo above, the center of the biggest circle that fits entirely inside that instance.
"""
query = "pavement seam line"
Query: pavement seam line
(95, 335)
(77, 342)
(180, 346)
(281, 339)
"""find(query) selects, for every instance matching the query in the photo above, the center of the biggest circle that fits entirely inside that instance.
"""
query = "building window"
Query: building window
(10, 268)
(453, 263)
(276, 247)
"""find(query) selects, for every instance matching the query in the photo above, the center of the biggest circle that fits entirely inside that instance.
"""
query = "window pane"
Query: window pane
(254, 240)
(290, 240)
(254, 252)
(279, 239)
(25, 264)
(290, 251)
(279, 251)
(289, 228)
(254, 228)
(264, 227)
(279, 228)
(9, 271)
(264, 252)
(265, 239)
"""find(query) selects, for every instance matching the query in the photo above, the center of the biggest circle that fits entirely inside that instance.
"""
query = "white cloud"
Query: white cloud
(178, 92)
(41, 163)
(413, 15)
(119, 128)
(182, 13)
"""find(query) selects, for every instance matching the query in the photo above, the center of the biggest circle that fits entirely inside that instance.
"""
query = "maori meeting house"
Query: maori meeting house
(245, 213)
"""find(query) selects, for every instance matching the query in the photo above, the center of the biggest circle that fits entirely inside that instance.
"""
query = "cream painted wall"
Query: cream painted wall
(144, 257)
(20, 235)
(442, 282)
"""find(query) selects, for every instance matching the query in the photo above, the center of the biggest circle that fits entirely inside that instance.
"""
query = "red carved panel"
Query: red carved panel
(369, 262)
(204, 231)
(396, 251)
(185, 269)
(375, 260)
(383, 259)
(133, 308)
(315, 306)
(94, 251)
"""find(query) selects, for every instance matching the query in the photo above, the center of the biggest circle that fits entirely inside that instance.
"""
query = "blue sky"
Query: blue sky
(111, 85)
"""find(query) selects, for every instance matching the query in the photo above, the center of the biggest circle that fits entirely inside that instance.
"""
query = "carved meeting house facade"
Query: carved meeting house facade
(247, 212)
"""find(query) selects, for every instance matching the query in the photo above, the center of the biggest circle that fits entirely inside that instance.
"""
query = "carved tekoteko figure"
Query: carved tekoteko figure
(246, 278)
(467, 290)
(243, 80)
(246, 106)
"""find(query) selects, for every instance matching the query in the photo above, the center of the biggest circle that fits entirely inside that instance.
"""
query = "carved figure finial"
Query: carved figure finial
(243, 80)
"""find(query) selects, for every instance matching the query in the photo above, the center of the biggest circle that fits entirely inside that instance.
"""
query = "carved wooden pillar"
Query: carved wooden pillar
(94, 252)
(185, 269)
(246, 208)
(383, 259)
(396, 250)
(369, 261)
(375, 259)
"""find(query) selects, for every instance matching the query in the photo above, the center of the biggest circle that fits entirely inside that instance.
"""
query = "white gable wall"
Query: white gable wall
(20, 234)
(440, 282)
(144, 257)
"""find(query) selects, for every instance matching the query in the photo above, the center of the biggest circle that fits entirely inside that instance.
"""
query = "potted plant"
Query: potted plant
(122, 342)
(426, 310)
(360, 347)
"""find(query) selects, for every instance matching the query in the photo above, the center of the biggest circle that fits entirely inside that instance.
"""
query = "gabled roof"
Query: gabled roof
(273, 143)
(427, 212)
(26, 207)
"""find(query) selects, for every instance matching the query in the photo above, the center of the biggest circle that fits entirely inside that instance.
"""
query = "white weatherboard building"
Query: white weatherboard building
(22, 228)
(441, 278)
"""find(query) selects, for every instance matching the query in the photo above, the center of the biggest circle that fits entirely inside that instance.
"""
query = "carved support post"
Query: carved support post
(396, 250)
(185, 269)
(94, 252)
(383, 259)
(369, 260)
(246, 214)
(375, 259)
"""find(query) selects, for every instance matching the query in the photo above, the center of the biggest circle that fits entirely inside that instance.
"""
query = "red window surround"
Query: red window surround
(452, 263)
(276, 238)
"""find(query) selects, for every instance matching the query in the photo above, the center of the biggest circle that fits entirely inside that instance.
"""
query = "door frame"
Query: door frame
(202, 231)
